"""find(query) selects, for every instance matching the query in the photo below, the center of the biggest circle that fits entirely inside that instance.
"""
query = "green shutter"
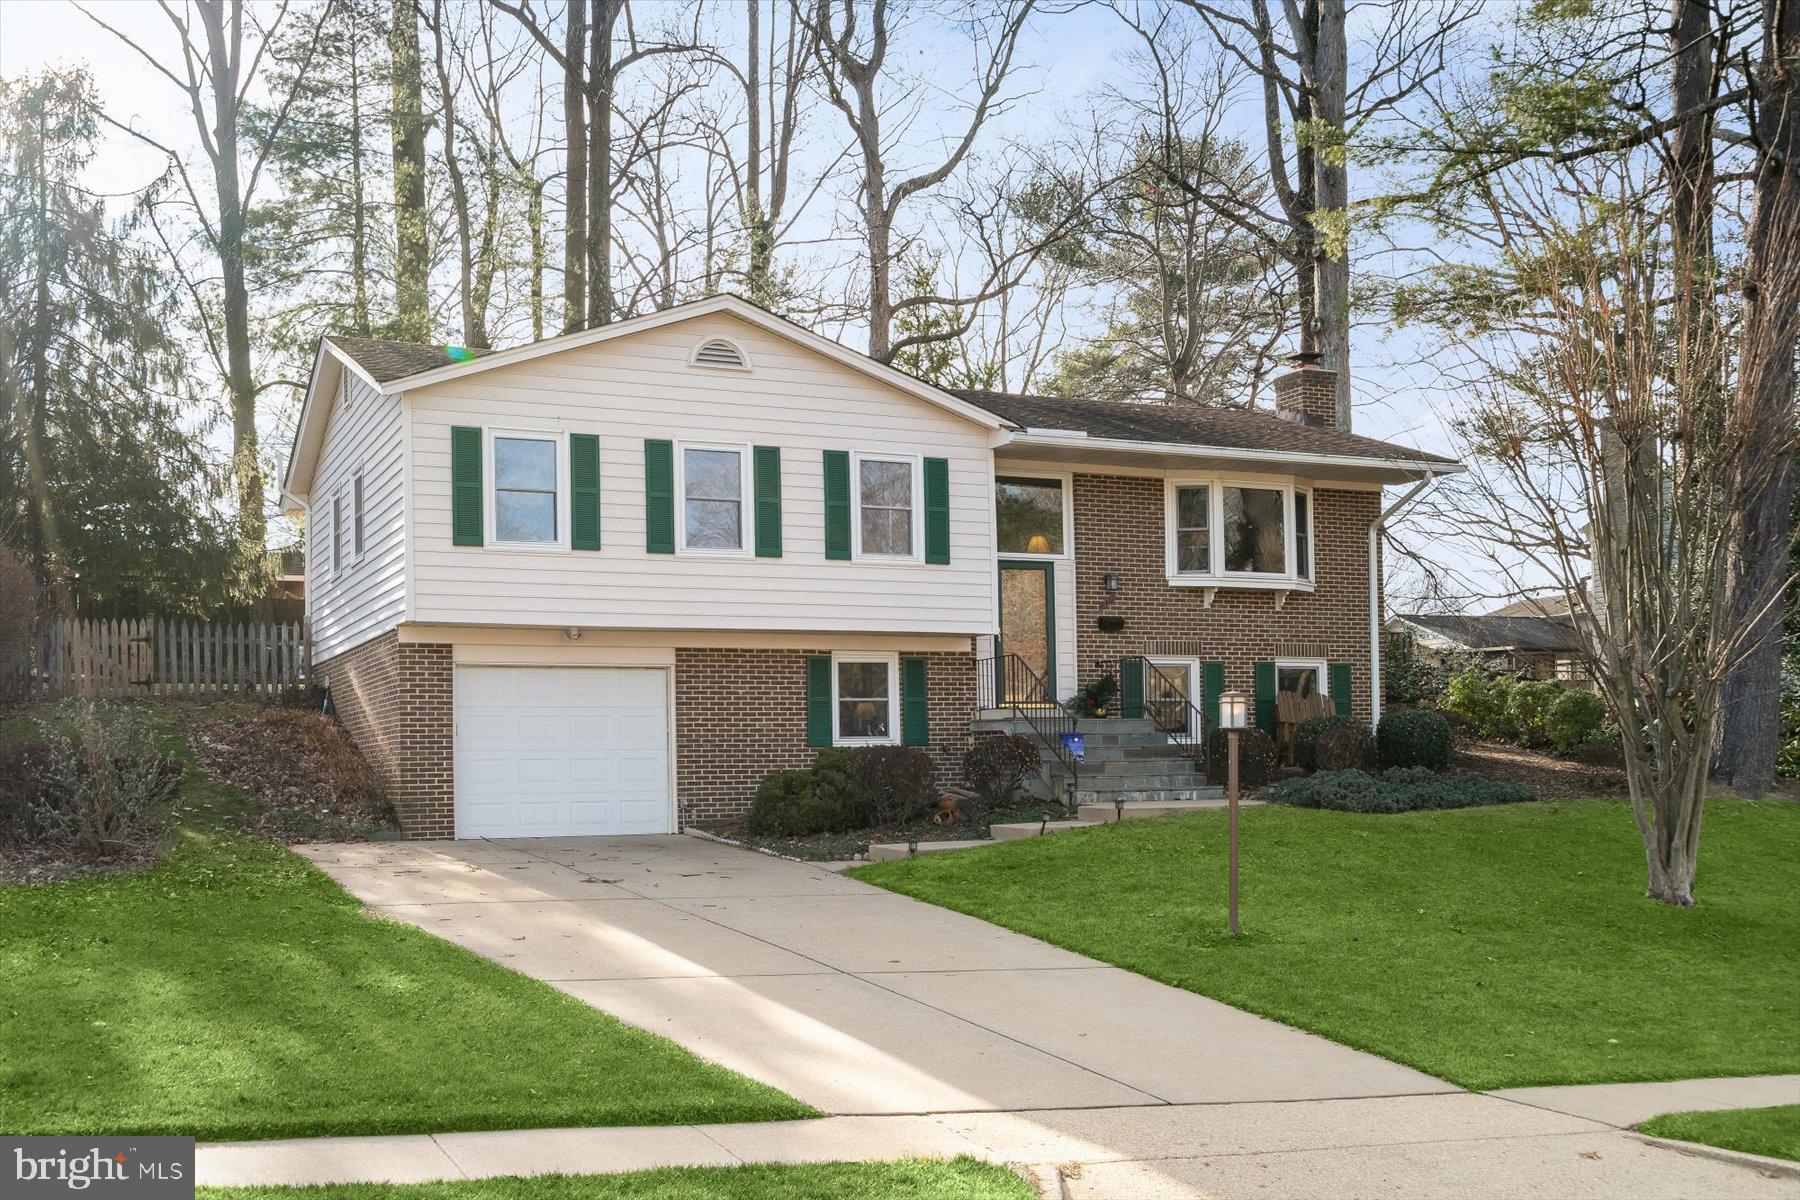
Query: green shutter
(915, 709)
(584, 491)
(1265, 697)
(1212, 686)
(1340, 688)
(768, 501)
(659, 496)
(466, 521)
(818, 700)
(1131, 687)
(937, 510)
(837, 504)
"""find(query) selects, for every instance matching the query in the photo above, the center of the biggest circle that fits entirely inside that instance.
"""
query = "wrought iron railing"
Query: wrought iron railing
(1169, 707)
(1007, 683)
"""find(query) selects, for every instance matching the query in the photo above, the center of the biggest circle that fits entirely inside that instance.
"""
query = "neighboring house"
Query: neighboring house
(606, 582)
(1539, 646)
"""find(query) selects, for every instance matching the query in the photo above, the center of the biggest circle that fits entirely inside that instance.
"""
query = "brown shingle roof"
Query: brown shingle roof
(1189, 425)
(386, 361)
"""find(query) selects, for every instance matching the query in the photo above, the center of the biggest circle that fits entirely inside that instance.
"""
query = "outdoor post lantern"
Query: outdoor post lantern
(1231, 720)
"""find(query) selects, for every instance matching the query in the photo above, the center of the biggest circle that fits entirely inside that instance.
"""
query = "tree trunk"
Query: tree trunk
(534, 223)
(222, 56)
(1766, 381)
(755, 220)
(1330, 72)
(412, 251)
(600, 155)
(575, 169)
(40, 531)
(359, 223)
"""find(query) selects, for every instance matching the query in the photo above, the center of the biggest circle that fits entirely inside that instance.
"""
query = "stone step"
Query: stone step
(889, 851)
(1031, 829)
(1095, 811)
(1109, 783)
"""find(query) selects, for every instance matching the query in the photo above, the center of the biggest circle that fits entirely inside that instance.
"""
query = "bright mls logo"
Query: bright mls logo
(147, 1168)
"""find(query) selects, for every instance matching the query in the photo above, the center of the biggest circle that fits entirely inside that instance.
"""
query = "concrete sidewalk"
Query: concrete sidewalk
(850, 998)
(1625, 1104)
(1456, 1145)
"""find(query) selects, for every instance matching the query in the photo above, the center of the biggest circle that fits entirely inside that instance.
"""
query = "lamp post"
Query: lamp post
(1231, 720)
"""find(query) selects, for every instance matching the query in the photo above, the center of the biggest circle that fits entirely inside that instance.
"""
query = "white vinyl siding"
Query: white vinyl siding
(640, 387)
(359, 483)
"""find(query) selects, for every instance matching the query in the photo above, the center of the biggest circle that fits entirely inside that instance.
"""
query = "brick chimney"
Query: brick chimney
(1307, 394)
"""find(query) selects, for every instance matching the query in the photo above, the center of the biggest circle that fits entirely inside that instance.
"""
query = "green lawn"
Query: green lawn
(1493, 947)
(960, 1179)
(1771, 1131)
(237, 992)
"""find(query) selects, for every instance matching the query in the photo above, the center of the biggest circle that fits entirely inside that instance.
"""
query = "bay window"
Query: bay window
(1247, 533)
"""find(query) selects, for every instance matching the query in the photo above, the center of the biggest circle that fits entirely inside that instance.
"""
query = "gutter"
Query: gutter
(1081, 441)
(1375, 528)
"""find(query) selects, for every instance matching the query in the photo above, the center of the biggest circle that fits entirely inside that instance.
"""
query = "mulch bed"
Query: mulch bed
(1551, 777)
(302, 766)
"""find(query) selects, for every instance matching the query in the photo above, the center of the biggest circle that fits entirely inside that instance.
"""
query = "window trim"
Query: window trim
(1065, 480)
(746, 501)
(1312, 544)
(1216, 576)
(359, 542)
(337, 531)
(1305, 664)
(892, 662)
(917, 463)
(490, 489)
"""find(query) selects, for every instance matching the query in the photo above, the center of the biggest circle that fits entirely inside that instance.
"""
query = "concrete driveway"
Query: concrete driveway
(850, 998)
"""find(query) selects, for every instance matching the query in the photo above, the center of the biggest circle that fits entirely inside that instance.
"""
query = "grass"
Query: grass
(958, 1179)
(1771, 1131)
(1492, 947)
(235, 992)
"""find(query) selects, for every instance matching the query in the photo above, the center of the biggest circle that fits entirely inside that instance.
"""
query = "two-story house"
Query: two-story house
(606, 582)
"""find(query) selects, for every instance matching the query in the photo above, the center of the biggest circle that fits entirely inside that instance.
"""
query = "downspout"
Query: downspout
(1375, 528)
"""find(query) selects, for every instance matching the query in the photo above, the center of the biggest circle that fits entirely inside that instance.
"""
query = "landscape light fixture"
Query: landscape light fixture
(1232, 713)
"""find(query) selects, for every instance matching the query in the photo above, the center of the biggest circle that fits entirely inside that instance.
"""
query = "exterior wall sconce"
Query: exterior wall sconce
(1110, 581)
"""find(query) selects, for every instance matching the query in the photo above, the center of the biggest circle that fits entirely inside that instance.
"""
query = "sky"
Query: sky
(1400, 395)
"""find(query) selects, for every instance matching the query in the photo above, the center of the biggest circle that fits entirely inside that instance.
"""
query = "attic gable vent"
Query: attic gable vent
(720, 354)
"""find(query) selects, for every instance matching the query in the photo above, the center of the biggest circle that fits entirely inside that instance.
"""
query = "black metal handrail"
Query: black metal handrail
(1007, 682)
(1172, 712)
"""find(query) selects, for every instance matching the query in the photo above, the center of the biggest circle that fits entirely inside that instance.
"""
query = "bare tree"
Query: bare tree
(221, 47)
(853, 67)
(412, 257)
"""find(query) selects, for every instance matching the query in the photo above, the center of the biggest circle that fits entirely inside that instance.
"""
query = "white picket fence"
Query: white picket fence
(157, 657)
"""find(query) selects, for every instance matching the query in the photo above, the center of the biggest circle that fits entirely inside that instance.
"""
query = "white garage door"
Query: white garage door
(542, 751)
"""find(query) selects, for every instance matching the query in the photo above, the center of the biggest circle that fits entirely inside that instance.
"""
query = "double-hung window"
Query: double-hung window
(865, 700)
(337, 533)
(887, 506)
(1224, 531)
(356, 515)
(715, 500)
(527, 496)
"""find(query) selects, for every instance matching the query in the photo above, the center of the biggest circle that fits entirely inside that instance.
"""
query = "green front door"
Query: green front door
(1028, 630)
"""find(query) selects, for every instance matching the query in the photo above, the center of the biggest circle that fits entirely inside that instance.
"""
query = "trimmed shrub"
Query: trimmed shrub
(891, 785)
(997, 764)
(1414, 738)
(1574, 717)
(1481, 697)
(1256, 758)
(831, 771)
(792, 804)
(1332, 743)
(1396, 790)
(1528, 710)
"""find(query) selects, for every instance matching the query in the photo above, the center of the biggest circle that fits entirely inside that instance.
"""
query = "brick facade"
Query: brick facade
(1309, 392)
(396, 699)
(1119, 527)
(740, 714)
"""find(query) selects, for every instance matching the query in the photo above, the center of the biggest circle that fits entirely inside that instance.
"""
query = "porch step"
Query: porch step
(1097, 812)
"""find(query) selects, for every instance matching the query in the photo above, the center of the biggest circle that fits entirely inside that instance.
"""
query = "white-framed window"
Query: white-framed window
(356, 515)
(337, 532)
(1238, 531)
(1031, 515)
(528, 489)
(886, 493)
(713, 483)
(865, 699)
(1304, 677)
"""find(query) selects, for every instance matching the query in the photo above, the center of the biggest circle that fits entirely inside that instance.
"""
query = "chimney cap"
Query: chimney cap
(1305, 360)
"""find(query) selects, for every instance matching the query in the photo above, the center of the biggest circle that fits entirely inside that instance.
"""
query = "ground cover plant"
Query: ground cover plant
(957, 1179)
(1395, 790)
(1499, 946)
(1772, 1131)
